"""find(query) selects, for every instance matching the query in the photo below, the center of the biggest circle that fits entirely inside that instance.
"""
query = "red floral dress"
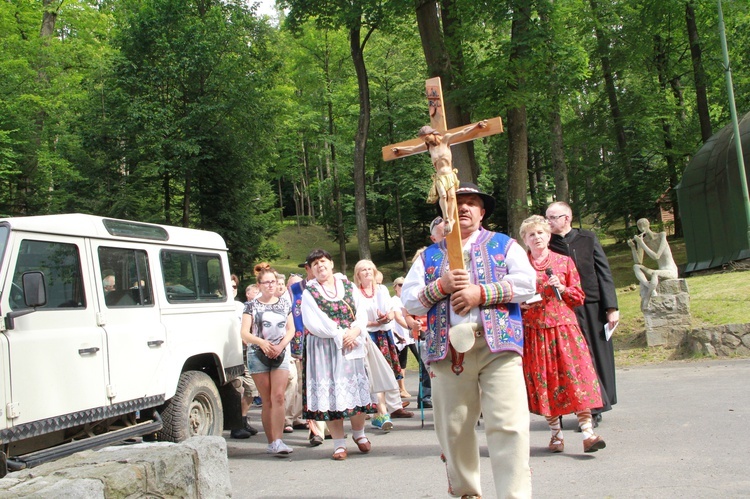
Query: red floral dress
(560, 377)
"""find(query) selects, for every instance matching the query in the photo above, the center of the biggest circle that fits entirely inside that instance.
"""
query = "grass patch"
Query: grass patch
(297, 242)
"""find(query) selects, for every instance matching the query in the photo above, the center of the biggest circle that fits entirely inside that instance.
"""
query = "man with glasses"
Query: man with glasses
(600, 307)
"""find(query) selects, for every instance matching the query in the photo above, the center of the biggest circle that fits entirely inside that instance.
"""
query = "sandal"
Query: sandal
(339, 454)
(556, 443)
(363, 444)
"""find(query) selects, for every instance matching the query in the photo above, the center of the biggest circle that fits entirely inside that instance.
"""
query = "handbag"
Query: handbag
(269, 362)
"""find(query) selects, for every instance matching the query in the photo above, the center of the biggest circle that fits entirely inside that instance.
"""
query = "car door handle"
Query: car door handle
(155, 343)
(87, 351)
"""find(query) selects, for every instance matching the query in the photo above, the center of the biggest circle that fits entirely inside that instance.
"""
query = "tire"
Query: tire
(195, 409)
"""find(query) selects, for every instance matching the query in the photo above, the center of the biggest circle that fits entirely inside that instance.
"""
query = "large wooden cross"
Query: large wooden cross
(437, 121)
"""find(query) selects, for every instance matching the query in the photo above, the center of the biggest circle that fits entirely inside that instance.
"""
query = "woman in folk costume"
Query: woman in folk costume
(336, 383)
(560, 377)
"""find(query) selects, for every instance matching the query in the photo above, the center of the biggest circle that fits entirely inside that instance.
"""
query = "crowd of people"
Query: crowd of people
(516, 331)
(320, 349)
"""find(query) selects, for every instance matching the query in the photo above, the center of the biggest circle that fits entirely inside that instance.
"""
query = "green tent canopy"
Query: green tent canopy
(710, 200)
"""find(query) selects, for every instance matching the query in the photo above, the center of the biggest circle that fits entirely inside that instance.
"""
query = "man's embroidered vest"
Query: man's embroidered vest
(502, 322)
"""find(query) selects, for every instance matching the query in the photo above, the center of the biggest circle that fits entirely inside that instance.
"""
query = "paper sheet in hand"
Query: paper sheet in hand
(537, 297)
(608, 332)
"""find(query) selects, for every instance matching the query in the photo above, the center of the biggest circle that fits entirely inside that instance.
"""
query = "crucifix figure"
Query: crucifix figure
(437, 140)
(445, 179)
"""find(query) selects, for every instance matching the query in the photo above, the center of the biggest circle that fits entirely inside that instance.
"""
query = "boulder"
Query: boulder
(196, 468)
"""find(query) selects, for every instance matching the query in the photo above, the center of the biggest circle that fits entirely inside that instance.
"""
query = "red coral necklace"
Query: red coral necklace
(365, 294)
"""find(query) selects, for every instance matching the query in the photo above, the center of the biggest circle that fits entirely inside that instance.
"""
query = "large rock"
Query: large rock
(196, 468)
(667, 315)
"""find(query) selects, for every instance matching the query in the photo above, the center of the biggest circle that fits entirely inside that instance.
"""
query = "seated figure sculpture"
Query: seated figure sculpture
(654, 245)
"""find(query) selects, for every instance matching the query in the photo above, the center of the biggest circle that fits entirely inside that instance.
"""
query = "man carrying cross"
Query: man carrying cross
(445, 178)
(479, 372)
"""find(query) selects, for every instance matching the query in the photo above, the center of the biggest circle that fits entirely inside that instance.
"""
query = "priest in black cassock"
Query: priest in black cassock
(600, 307)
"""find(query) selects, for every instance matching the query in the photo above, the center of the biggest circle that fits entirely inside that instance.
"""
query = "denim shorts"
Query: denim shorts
(255, 366)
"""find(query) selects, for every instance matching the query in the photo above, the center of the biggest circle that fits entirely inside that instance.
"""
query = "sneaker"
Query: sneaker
(278, 448)
(240, 434)
(387, 424)
(283, 448)
(257, 401)
(377, 422)
(382, 422)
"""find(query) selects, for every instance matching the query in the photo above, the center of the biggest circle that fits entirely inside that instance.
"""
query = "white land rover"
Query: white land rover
(112, 329)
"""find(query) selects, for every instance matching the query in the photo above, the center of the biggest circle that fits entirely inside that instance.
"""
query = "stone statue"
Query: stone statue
(654, 245)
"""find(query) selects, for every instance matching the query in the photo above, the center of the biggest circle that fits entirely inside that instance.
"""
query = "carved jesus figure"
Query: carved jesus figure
(444, 179)
(654, 245)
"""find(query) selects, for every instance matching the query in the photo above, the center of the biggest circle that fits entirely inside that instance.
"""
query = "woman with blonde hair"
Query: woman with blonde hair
(267, 328)
(560, 377)
(376, 301)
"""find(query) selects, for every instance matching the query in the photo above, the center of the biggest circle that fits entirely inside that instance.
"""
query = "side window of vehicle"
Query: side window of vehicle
(61, 265)
(126, 277)
(191, 277)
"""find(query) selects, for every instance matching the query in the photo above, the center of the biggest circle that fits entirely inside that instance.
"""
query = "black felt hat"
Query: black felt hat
(469, 188)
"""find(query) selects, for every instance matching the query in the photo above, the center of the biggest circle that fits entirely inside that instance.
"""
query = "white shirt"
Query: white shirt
(319, 324)
(380, 302)
(398, 329)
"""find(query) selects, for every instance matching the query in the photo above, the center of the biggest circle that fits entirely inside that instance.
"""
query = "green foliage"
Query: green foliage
(198, 113)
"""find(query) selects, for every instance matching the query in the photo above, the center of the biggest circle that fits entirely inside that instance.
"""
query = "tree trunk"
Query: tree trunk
(439, 64)
(386, 243)
(603, 42)
(48, 18)
(666, 83)
(297, 204)
(518, 140)
(360, 144)
(402, 246)
(699, 75)
(186, 200)
(463, 154)
(339, 218)
(167, 198)
(559, 166)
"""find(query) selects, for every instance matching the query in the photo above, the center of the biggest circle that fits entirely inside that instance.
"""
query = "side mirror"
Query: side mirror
(34, 289)
(34, 295)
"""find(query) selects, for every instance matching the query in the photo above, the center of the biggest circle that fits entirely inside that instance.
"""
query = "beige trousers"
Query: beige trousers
(493, 385)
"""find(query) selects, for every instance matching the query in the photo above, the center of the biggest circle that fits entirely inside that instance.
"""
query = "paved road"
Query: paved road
(680, 430)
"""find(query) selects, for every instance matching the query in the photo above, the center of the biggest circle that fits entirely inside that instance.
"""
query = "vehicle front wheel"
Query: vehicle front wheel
(194, 410)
